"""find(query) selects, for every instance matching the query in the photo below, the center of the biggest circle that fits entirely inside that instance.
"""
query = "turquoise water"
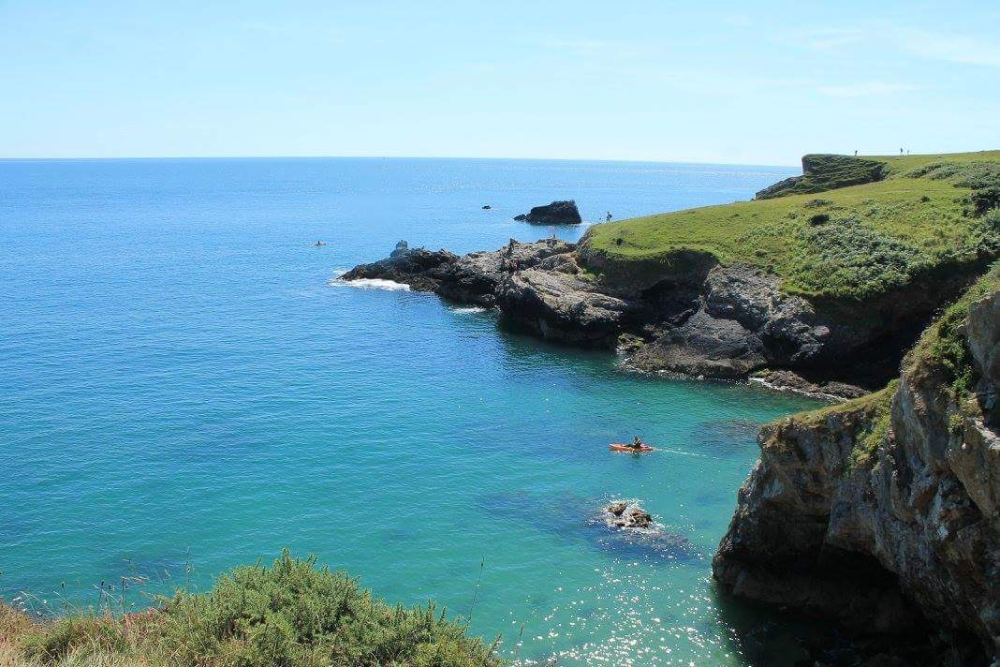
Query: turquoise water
(183, 390)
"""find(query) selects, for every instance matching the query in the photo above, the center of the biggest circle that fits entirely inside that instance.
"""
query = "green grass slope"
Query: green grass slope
(292, 613)
(856, 242)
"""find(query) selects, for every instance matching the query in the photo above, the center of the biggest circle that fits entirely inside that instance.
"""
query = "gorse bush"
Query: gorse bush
(292, 613)
(854, 255)
(985, 200)
(943, 346)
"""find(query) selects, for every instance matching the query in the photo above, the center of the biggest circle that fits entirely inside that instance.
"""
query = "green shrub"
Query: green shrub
(879, 426)
(295, 613)
(943, 346)
(855, 258)
(292, 613)
(985, 200)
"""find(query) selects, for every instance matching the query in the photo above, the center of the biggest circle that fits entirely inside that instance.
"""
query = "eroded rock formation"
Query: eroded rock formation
(694, 317)
(883, 513)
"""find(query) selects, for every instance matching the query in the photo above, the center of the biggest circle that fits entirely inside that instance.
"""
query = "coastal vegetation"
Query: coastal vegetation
(943, 347)
(291, 613)
(926, 215)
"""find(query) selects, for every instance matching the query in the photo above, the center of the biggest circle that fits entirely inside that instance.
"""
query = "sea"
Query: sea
(185, 387)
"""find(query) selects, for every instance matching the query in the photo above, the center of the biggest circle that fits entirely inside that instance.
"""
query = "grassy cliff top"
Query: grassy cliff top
(855, 242)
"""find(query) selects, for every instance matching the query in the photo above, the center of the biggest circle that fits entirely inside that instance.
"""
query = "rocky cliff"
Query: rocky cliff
(693, 317)
(882, 512)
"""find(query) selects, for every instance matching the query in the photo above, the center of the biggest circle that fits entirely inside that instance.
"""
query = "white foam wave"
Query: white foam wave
(370, 283)
(469, 309)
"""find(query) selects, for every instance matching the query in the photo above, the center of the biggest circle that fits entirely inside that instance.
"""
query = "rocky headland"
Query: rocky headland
(817, 307)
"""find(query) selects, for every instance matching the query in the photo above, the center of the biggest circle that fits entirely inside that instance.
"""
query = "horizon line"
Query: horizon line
(380, 157)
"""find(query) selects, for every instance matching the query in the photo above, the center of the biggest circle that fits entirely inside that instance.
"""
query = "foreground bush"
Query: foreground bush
(292, 613)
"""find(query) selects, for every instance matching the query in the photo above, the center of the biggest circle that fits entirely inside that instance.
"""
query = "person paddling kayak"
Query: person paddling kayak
(637, 443)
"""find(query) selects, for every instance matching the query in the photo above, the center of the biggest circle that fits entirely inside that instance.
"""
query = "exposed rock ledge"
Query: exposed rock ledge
(701, 319)
(883, 513)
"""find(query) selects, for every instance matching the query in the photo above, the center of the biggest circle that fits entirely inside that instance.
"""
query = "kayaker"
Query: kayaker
(637, 443)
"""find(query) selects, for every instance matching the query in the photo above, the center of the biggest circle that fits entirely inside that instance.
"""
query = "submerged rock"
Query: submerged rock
(556, 213)
(623, 515)
(630, 531)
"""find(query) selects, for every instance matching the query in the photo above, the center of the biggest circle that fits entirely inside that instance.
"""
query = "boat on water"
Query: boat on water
(622, 447)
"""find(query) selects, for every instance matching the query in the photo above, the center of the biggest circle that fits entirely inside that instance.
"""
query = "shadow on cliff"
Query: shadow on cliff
(764, 636)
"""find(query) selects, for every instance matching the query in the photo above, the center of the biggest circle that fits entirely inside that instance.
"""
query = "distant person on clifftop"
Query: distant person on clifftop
(608, 217)
(855, 153)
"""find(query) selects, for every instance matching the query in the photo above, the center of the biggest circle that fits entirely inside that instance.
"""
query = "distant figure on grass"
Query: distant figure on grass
(608, 217)
(900, 151)
(855, 153)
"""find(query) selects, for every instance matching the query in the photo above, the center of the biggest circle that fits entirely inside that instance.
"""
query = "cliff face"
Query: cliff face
(692, 316)
(883, 512)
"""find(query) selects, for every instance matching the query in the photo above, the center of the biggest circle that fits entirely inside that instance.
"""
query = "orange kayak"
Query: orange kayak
(618, 447)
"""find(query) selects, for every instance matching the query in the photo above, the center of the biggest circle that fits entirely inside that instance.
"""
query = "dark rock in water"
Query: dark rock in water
(486, 207)
(401, 249)
(572, 519)
(537, 285)
(624, 515)
(556, 213)
(784, 380)
(617, 509)
(419, 268)
(629, 531)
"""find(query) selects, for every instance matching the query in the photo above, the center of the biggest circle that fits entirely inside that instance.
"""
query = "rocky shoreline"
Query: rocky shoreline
(695, 318)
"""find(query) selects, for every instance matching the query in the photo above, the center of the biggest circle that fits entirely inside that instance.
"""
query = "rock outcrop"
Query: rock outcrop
(621, 514)
(694, 317)
(827, 172)
(883, 513)
(538, 285)
(556, 213)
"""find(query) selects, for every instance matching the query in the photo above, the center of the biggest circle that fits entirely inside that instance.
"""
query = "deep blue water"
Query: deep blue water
(183, 390)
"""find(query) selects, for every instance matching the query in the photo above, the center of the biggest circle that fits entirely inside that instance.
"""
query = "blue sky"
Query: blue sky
(636, 80)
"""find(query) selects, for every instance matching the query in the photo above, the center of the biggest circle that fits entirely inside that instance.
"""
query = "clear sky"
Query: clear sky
(735, 82)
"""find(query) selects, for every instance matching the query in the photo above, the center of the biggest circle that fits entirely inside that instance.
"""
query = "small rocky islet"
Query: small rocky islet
(557, 213)
(881, 513)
